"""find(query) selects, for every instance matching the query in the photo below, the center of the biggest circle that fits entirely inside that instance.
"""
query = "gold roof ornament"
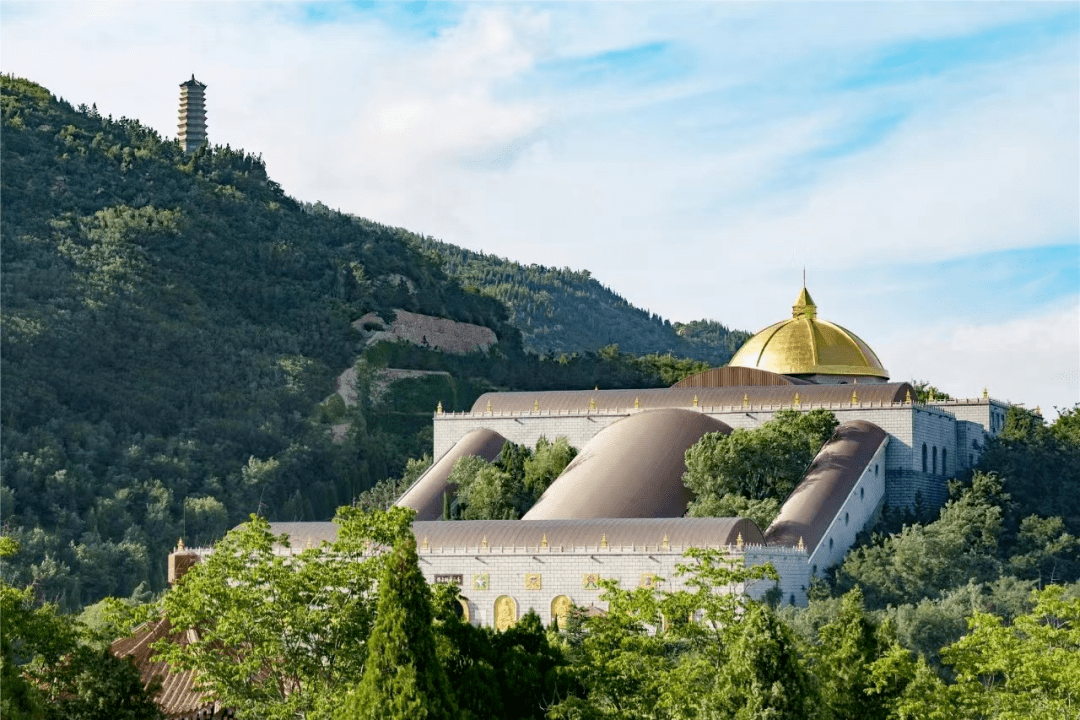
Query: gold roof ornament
(536, 404)
(986, 393)
(745, 400)
(426, 546)
(854, 398)
(907, 397)
(592, 405)
(180, 544)
(603, 540)
(695, 401)
(489, 406)
(438, 408)
(797, 402)
(801, 545)
(637, 403)
(483, 543)
(667, 543)
(543, 541)
(807, 345)
(739, 541)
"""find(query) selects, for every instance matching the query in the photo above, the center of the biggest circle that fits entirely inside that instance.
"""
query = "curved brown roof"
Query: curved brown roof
(178, 696)
(618, 532)
(425, 495)
(683, 397)
(816, 500)
(737, 377)
(631, 469)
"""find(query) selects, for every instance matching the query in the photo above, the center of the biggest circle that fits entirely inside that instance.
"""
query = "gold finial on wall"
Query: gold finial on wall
(986, 393)
(489, 406)
(637, 403)
(603, 540)
(438, 408)
(907, 397)
(745, 400)
(739, 541)
(854, 398)
(180, 544)
(592, 405)
(695, 401)
(801, 545)
(536, 404)
(543, 541)
(426, 545)
(483, 543)
(797, 402)
(667, 543)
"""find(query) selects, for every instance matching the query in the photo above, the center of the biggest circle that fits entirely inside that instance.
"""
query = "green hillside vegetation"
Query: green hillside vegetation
(564, 310)
(171, 325)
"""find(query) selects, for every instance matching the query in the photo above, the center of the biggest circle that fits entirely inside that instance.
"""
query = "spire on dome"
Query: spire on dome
(804, 305)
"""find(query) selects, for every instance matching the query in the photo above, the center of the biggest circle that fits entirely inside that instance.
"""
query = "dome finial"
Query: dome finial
(804, 305)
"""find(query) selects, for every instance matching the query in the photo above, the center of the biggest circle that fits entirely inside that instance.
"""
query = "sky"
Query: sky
(921, 161)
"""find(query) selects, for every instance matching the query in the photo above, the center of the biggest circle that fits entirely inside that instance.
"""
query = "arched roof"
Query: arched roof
(578, 401)
(425, 495)
(631, 469)
(617, 532)
(811, 507)
(805, 345)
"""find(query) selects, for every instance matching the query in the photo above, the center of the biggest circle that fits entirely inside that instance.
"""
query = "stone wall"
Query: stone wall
(535, 577)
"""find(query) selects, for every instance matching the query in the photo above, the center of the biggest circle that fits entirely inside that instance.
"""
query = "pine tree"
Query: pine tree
(403, 679)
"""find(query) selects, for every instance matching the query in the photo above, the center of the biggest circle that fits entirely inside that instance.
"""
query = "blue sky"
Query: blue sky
(920, 160)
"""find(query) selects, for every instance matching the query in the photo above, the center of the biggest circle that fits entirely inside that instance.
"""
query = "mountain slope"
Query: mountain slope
(562, 310)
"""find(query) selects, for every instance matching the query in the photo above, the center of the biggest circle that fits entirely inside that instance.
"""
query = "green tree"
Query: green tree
(759, 464)
(280, 634)
(546, 463)
(50, 670)
(403, 678)
(1029, 669)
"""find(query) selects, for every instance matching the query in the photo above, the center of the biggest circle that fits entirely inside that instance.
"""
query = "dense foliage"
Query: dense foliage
(506, 488)
(750, 473)
(54, 669)
(172, 324)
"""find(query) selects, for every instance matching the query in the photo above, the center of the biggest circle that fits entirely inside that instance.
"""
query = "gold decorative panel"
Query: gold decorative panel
(648, 580)
(590, 581)
(560, 608)
(533, 581)
(481, 581)
(505, 612)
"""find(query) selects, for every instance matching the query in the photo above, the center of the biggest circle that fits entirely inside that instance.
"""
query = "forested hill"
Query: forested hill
(171, 324)
(563, 310)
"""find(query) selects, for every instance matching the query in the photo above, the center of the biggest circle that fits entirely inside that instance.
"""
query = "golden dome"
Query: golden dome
(805, 345)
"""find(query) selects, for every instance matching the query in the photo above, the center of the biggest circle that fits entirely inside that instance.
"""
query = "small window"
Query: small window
(944, 466)
(830, 543)
(924, 457)
(814, 570)
(875, 470)
(862, 493)
(935, 459)
(792, 598)
(845, 518)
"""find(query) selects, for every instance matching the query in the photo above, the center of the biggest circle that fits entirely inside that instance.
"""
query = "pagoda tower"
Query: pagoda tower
(192, 128)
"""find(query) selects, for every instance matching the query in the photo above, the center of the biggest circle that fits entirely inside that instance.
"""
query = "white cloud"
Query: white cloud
(1033, 359)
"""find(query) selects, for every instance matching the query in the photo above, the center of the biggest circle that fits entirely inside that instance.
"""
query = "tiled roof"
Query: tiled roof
(178, 698)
